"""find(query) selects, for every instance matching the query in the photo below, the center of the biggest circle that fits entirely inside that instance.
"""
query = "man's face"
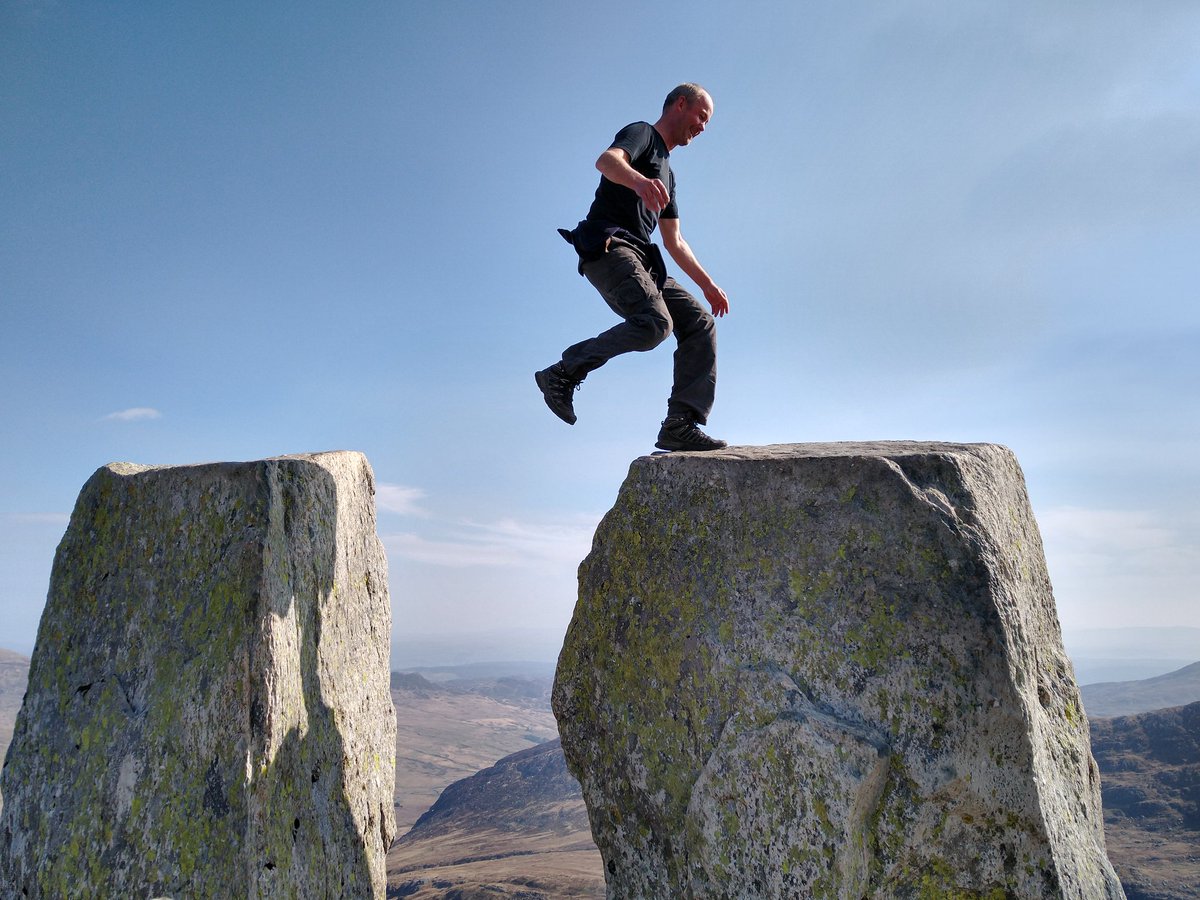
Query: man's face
(693, 118)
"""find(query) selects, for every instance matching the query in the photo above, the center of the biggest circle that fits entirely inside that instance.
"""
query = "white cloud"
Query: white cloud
(1112, 538)
(397, 498)
(135, 414)
(1121, 567)
(506, 543)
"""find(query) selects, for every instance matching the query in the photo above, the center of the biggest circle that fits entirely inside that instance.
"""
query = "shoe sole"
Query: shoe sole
(683, 448)
(540, 378)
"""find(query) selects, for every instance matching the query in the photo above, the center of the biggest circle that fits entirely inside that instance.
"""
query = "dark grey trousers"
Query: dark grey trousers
(624, 279)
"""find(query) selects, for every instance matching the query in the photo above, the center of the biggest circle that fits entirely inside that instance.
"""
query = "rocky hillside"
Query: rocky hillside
(1150, 771)
(527, 791)
(1127, 698)
(511, 830)
(1130, 653)
(516, 829)
(446, 733)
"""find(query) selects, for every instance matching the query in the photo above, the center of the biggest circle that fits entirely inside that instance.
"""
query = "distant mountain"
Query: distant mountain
(1127, 698)
(527, 791)
(1098, 654)
(415, 684)
(516, 829)
(445, 733)
(478, 670)
(1128, 654)
(526, 684)
(1150, 779)
(540, 645)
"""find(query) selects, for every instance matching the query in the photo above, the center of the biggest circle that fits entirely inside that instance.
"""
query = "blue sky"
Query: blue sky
(229, 231)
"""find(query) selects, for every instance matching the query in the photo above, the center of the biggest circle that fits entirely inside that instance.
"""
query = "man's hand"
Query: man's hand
(686, 259)
(653, 193)
(614, 165)
(717, 300)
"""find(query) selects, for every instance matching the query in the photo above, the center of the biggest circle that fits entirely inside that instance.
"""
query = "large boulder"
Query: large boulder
(208, 711)
(829, 670)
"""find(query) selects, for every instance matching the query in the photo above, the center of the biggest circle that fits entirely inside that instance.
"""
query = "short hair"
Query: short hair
(688, 89)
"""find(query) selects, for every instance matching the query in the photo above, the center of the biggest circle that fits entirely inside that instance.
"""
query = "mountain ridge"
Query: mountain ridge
(1125, 698)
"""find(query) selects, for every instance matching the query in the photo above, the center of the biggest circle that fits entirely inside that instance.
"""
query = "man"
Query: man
(636, 194)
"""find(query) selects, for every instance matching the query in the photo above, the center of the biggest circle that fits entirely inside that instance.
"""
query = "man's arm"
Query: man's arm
(614, 165)
(686, 260)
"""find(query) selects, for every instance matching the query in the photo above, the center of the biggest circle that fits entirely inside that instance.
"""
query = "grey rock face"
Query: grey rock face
(829, 670)
(208, 711)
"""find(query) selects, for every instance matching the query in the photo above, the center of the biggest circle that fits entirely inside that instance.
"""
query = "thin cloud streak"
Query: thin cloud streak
(399, 499)
(507, 543)
(135, 414)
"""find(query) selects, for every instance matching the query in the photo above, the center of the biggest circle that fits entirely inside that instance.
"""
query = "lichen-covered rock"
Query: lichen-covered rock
(208, 711)
(829, 670)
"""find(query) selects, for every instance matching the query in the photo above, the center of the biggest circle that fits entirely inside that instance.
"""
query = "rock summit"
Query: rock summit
(829, 671)
(208, 711)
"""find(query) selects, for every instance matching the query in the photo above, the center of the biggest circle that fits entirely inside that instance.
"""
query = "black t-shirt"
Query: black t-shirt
(618, 206)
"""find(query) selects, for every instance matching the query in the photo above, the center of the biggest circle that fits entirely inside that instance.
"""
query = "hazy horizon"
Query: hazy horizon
(1098, 654)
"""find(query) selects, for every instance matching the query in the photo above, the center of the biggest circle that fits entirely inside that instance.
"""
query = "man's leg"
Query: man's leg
(628, 288)
(695, 374)
(695, 355)
(622, 279)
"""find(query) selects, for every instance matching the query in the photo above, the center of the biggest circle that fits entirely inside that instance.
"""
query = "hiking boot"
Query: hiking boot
(557, 387)
(681, 433)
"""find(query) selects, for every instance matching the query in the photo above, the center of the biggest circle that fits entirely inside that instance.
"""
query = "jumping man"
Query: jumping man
(637, 194)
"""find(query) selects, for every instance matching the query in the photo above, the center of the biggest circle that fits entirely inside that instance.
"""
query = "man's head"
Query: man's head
(685, 114)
